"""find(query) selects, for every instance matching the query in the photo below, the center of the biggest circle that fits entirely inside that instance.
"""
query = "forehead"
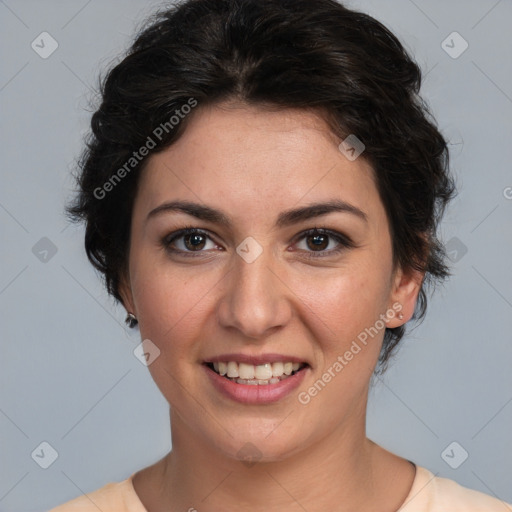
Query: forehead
(245, 158)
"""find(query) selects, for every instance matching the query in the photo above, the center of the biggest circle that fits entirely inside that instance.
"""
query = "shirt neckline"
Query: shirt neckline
(422, 477)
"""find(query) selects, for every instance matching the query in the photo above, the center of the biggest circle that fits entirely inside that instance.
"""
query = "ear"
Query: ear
(405, 289)
(125, 291)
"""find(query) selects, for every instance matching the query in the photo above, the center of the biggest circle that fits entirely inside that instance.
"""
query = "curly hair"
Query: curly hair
(309, 54)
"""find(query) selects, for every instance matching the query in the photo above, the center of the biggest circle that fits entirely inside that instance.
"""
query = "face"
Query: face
(253, 290)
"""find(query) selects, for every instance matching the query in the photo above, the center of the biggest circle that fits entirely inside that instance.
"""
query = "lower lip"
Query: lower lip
(256, 394)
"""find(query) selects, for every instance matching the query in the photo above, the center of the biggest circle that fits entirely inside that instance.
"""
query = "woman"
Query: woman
(262, 191)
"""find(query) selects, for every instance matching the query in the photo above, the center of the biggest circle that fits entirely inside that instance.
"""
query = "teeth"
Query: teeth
(223, 368)
(263, 371)
(254, 382)
(277, 369)
(250, 382)
(232, 370)
(244, 373)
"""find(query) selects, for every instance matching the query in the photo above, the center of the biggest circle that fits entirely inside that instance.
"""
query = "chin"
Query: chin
(264, 441)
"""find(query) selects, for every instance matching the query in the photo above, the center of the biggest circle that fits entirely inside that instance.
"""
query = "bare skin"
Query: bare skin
(253, 164)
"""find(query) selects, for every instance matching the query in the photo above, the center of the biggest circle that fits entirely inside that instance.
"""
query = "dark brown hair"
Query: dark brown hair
(311, 54)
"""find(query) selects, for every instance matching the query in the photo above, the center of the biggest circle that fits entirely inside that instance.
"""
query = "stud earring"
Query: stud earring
(400, 315)
(131, 319)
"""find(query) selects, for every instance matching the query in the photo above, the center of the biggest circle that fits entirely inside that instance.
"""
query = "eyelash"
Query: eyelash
(344, 241)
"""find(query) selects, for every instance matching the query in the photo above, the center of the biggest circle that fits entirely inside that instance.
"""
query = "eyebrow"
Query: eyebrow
(286, 218)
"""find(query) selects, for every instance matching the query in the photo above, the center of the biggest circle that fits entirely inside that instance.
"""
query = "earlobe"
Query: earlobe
(405, 292)
(125, 291)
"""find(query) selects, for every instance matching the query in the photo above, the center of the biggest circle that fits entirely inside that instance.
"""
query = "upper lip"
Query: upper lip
(254, 359)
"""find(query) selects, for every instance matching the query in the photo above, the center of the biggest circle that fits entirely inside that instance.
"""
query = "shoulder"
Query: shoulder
(430, 493)
(113, 497)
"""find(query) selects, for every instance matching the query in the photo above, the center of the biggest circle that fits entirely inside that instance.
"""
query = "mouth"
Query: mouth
(256, 375)
(256, 380)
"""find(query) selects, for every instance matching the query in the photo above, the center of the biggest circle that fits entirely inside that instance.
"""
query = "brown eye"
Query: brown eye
(187, 241)
(318, 240)
(194, 241)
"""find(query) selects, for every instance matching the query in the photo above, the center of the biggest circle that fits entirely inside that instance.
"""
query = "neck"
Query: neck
(341, 469)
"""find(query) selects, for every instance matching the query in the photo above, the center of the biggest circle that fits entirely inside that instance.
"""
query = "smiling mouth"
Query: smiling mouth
(257, 375)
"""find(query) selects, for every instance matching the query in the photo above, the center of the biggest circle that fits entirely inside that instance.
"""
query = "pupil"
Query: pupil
(195, 240)
(319, 240)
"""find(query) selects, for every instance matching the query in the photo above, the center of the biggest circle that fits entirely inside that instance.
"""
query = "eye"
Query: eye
(190, 240)
(187, 241)
(317, 240)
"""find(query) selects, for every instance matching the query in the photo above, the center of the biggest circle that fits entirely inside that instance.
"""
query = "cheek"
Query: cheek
(171, 309)
(346, 300)
(168, 301)
(348, 338)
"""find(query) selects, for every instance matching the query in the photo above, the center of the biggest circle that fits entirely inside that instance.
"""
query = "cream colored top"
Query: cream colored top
(428, 493)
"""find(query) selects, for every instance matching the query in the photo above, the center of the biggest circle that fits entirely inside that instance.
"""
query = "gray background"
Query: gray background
(68, 373)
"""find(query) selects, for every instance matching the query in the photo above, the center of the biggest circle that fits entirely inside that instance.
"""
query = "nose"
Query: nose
(255, 301)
